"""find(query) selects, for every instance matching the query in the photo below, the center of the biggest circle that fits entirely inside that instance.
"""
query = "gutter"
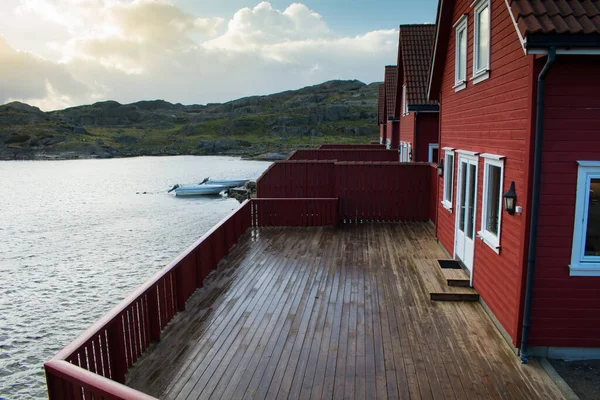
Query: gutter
(535, 203)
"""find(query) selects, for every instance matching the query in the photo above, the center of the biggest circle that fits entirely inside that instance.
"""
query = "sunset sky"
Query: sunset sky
(60, 53)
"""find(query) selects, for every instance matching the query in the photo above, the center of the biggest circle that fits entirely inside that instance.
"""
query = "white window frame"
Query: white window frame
(582, 265)
(404, 105)
(484, 73)
(432, 146)
(404, 150)
(489, 238)
(460, 82)
(447, 203)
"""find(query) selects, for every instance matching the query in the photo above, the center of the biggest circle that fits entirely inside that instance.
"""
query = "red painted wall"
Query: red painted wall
(382, 133)
(566, 309)
(407, 128)
(393, 129)
(427, 132)
(492, 116)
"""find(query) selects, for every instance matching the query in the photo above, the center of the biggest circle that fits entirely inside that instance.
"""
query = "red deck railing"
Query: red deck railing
(383, 191)
(367, 191)
(345, 155)
(95, 364)
(371, 146)
(295, 212)
(297, 179)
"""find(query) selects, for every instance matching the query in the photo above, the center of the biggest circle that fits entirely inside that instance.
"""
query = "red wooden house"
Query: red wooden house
(418, 116)
(381, 114)
(518, 83)
(392, 122)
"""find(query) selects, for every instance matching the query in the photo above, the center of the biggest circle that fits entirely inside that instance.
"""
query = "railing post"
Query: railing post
(116, 345)
(56, 386)
(180, 283)
(153, 315)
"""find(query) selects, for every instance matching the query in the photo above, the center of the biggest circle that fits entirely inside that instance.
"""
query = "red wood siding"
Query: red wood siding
(566, 309)
(492, 116)
(407, 128)
(382, 133)
(393, 128)
(427, 132)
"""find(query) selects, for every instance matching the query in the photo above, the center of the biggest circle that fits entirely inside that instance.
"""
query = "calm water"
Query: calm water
(77, 236)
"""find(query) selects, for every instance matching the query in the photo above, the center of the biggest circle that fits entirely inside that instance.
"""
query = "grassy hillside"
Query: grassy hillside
(332, 112)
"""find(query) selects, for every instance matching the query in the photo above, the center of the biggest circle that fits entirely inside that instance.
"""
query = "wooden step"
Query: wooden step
(436, 283)
(456, 277)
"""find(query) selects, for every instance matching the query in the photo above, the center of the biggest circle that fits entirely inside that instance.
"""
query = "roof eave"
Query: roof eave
(423, 108)
(564, 44)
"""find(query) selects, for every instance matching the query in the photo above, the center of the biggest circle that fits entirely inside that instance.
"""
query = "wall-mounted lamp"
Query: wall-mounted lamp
(440, 168)
(510, 199)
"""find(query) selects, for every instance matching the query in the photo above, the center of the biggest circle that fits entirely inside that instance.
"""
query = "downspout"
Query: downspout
(535, 202)
(414, 148)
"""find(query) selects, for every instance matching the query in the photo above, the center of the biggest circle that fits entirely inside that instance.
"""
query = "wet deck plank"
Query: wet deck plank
(325, 313)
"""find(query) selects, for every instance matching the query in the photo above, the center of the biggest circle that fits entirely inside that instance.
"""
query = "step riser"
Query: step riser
(459, 283)
(453, 297)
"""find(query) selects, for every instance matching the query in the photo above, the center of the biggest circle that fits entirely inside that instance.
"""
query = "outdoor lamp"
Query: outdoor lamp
(440, 168)
(510, 199)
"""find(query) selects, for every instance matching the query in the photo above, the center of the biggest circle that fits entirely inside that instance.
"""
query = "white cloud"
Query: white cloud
(143, 49)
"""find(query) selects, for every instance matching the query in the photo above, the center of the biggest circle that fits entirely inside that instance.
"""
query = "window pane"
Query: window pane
(463, 197)
(493, 199)
(592, 237)
(449, 178)
(434, 155)
(462, 51)
(471, 215)
(483, 38)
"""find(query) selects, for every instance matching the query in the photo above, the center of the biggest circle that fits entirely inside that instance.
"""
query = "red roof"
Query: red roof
(390, 82)
(562, 17)
(415, 49)
(381, 115)
(570, 23)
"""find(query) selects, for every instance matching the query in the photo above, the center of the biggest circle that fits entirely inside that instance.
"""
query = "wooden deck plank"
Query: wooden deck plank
(333, 313)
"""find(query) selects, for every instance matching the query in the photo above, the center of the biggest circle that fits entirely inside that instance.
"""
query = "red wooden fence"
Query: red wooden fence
(433, 193)
(95, 364)
(383, 191)
(345, 155)
(372, 191)
(297, 179)
(371, 146)
(294, 212)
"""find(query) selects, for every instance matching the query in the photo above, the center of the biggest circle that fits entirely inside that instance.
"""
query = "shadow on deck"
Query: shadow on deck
(332, 313)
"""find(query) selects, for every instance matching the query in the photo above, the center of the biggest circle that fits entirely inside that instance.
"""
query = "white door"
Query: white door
(465, 216)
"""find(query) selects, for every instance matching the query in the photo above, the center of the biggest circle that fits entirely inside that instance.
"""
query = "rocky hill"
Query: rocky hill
(332, 112)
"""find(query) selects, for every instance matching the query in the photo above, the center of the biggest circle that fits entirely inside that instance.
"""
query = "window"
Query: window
(460, 66)
(448, 178)
(404, 104)
(585, 255)
(491, 213)
(433, 152)
(405, 151)
(481, 42)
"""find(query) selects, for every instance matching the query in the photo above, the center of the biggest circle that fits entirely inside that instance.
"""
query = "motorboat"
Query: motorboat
(197, 190)
(229, 183)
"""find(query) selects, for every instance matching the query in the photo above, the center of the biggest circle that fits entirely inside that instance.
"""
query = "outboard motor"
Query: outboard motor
(204, 181)
(173, 188)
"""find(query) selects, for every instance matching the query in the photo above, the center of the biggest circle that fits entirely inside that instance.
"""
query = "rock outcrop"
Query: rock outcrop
(338, 111)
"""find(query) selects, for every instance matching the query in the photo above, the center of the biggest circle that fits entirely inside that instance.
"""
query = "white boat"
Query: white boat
(230, 183)
(197, 190)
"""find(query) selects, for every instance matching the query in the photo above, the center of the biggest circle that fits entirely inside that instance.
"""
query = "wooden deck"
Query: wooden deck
(332, 313)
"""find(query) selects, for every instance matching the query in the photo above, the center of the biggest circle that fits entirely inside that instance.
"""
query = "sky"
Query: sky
(61, 53)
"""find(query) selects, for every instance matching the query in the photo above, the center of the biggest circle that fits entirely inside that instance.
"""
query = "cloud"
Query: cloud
(144, 49)
(25, 76)
(264, 25)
